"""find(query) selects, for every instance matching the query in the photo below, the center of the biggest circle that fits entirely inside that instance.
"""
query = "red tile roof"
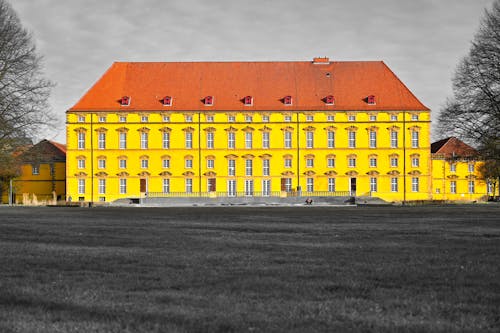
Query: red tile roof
(60, 146)
(188, 83)
(452, 147)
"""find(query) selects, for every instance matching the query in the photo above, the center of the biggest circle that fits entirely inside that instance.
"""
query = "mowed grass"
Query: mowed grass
(250, 269)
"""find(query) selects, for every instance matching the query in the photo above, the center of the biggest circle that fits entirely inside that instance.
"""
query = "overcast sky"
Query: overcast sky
(420, 40)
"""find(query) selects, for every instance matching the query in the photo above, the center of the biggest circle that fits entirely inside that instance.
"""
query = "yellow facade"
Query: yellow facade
(310, 160)
(458, 180)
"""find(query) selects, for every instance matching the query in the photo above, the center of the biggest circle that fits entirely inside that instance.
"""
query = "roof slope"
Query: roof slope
(452, 147)
(44, 152)
(267, 82)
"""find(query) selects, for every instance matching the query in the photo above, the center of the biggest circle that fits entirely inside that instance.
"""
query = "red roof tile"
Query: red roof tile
(267, 82)
(452, 147)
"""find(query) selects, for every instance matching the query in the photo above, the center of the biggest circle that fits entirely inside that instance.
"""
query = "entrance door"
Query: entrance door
(144, 185)
(353, 186)
(211, 185)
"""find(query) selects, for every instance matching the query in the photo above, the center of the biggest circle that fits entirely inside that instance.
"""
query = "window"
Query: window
(81, 119)
(102, 119)
(231, 140)
(288, 119)
(265, 139)
(122, 163)
(373, 184)
(265, 119)
(286, 184)
(288, 139)
(373, 118)
(166, 140)
(102, 186)
(331, 184)
(122, 140)
(144, 163)
(310, 184)
(101, 163)
(248, 119)
(414, 184)
(125, 101)
(370, 99)
(248, 167)
(373, 162)
(123, 186)
(210, 119)
(394, 117)
(287, 100)
(188, 163)
(351, 162)
(453, 167)
(309, 163)
(123, 119)
(248, 100)
(330, 118)
(35, 169)
(265, 167)
(101, 140)
(210, 140)
(309, 118)
(248, 187)
(188, 119)
(288, 162)
(166, 185)
(373, 139)
(471, 167)
(453, 186)
(394, 162)
(81, 186)
(309, 139)
(415, 162)
(81, 140)
(471, 186)
(144, 119)
(210, 163)
(166, 119)
(248, 140)
(352, 139)
(394, 184)
(188, 140)
(165, 163)
(394, 139)
(209, 100)
(414, 117)
(329, 100)
(189, 185)
(266, 187)
(144, 140)
(414, 139)
(231, 188)
(231, 119)
(81, 163)
(330, 139)
(330, 162)
(351, 117)
(231, 167)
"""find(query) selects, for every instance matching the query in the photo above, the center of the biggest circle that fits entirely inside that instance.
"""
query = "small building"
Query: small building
(455, 171)
(42, 169)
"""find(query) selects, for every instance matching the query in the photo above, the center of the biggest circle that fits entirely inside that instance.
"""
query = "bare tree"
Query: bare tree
(24, 91)
(473, 114)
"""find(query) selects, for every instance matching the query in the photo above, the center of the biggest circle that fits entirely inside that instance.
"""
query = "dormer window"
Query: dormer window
(287, 100)
(125, 101)
(329, 100)
(370, 99)
(248, 100)
(209, 100)
(167, 101)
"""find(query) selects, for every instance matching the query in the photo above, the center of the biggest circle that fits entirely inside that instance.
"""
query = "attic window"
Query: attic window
(209, 100)
(329, 100)
(248, 100)
(125, 101)
(370, 99)
(167, 101)
(287, 100)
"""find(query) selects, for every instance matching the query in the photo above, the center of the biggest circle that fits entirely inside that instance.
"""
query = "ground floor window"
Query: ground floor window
(166, 185)
(453, 186)
(414, 184)
(81, 186)
(394, 184)
(266, 187)
(310, 184)
(123, 186)
(286, 184)
(102, 186)
(471, 186)
(331, 184)
(189, 185)
(248, 187)
(231, 187)
(373, 184)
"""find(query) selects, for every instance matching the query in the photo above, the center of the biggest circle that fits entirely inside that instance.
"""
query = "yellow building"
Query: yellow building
(248, 129)
(42, 174)
(455, 172)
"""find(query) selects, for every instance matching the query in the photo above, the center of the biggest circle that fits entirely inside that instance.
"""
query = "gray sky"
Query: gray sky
(420, 40)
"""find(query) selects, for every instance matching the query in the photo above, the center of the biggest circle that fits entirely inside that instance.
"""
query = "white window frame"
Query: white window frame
(166, 185)
(394, 139)
(231, 167)
(248, 167)
(166, 140)
(330, 139)
(102, 186)
(266, 167)
(352, 139)
(331, 184)
(248, 140)
(81, 140)
(144, 140)
(123, 186)
(309, 139)
(188, 185)
(310, 184)
(231, 140)
(394, 184)
(265, 140)
(81, 186)
(210, 140)
(122, 137)
(415, 184)
(122, 163)
(373, 139)
(288, 139)
(188, 140)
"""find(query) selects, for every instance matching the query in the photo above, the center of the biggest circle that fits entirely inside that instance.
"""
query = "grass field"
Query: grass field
(250, 269)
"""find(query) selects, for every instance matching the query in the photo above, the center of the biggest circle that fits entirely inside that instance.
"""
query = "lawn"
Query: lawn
(250, 269)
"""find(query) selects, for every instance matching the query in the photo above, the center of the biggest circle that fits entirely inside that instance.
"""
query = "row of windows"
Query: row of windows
(287, 163)
(286, 185)
(249, 138)
(248, 118)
